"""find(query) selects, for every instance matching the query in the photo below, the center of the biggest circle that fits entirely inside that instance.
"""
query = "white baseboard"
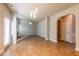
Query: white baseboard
(55, 41)
(69, 41)
(21, 38)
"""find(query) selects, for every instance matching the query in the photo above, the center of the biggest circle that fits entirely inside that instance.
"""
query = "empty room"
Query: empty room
(39, 29)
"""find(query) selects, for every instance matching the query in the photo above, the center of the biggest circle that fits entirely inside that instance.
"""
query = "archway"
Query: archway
(66, 28)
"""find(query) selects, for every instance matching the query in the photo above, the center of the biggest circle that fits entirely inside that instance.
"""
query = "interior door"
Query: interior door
(1, 32)
(73, 28)
(69, 28)
(6, 31)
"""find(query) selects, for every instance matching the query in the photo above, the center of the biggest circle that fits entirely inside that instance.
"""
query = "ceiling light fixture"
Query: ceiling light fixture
(30, 22)
(34, 12)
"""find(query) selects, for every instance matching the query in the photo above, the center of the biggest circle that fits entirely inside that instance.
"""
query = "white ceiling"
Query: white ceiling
(44, 9)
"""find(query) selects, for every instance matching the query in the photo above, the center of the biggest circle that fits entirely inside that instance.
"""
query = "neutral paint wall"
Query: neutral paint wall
(53, 23)
(48, 28)
(4, 13)
(42, 28)
(25, 28)
(53, 29)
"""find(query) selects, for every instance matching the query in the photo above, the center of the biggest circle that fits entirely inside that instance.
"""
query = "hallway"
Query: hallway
(37, 46)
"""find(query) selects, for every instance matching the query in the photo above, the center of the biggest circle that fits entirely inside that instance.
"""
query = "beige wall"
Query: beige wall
(53, 25)
(1, 32)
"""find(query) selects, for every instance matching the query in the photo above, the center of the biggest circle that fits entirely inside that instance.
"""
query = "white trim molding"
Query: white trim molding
(21, 38)
(55, 41)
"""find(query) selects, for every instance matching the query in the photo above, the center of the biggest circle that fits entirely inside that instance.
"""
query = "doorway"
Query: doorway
(6, 31)
(59, 30)
(66, 28)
